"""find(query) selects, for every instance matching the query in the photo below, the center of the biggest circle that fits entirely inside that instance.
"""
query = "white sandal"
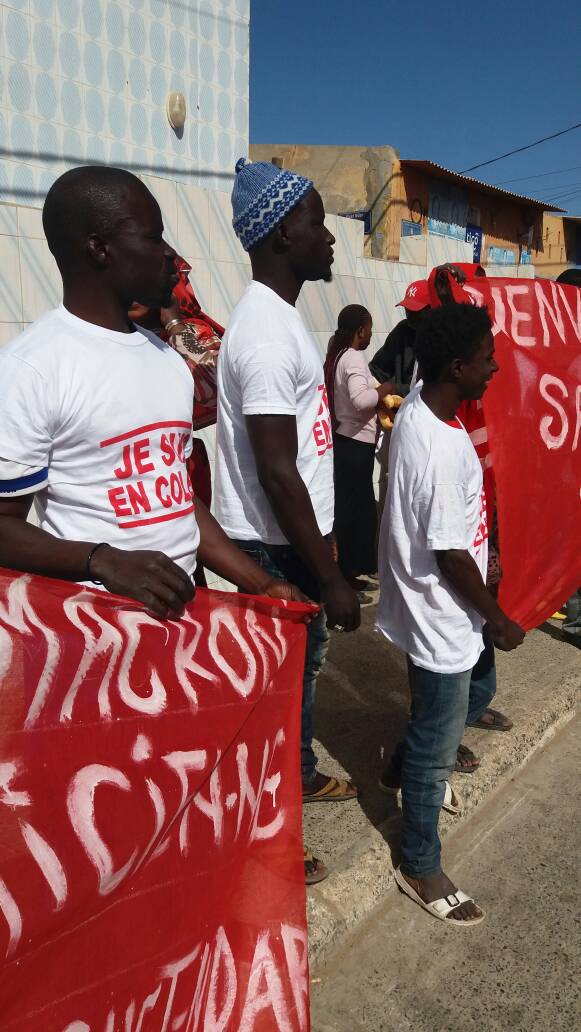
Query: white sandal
(452, 801)
(439, 908)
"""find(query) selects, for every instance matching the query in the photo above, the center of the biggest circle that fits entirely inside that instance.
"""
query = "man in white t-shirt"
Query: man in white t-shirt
(434, 601)
(96, 414)
(274, 458)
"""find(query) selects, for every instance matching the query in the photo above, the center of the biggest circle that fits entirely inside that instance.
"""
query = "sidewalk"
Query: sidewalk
(361, 712)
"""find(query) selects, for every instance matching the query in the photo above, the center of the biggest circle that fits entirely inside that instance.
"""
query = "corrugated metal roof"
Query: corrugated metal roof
(445, 173)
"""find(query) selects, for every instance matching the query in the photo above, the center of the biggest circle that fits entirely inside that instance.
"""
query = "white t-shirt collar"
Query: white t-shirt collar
(135, 339)
(256, 285)
(452, 424)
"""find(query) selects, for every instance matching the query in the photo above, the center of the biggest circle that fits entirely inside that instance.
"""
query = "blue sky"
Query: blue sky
(456, 84)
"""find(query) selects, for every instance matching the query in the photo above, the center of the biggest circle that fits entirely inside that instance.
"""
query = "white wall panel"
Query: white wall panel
(87, 80)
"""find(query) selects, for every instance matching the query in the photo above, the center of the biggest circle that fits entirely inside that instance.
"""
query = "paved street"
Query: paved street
(361, 712)
(520, 970)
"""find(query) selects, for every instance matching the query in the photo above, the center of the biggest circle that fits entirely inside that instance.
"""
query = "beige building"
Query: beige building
(403, 202)
(349, 179)
(561, 245)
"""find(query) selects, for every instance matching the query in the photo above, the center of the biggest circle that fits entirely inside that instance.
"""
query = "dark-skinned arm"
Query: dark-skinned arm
(459, 568)
(220, 555)
(149, 577)
(274, 443)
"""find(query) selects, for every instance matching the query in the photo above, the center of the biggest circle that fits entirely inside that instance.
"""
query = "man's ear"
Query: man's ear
(97, 250)
(456, 368)
(280, 238)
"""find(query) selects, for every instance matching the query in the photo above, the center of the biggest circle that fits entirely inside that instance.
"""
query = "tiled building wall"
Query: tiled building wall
(85, 81)
(198, 224)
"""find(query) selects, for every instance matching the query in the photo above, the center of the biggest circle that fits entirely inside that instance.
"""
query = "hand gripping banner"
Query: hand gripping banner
(151, 875)
(533, 418)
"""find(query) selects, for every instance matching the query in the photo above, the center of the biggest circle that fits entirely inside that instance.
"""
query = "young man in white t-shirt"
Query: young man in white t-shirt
(96, 415)
(434, 602)
(274, 458)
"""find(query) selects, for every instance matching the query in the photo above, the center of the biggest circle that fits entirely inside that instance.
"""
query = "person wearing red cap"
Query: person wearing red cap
(395, 360)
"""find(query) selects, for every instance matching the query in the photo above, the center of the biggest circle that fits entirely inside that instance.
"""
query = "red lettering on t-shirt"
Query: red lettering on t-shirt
(181, 447)
(137, 497)
(141, 494)
(482, 531)
(134, 458)
(140, 454)
(322, 428)
(162, 492)
(118, 500)
(125, 469)
(168, 452)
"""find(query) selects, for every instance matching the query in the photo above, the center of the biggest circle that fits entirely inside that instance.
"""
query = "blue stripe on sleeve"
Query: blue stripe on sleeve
(21, 483)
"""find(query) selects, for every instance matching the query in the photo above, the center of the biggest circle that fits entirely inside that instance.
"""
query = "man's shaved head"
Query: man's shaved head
(90, 199)
(105, 230)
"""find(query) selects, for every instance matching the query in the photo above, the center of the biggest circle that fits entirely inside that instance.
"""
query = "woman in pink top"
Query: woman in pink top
(353, 402)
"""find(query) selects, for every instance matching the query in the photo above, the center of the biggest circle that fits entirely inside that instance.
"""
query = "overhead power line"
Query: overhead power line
(519, 150)
(563, 187)
(561, 198)
(559, 191)
(540, 175)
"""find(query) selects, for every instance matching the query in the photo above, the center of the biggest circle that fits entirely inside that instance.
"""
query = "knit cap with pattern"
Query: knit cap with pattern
(262, 196)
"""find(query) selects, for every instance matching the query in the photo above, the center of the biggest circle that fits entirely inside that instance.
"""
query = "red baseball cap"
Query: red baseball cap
(417, 296)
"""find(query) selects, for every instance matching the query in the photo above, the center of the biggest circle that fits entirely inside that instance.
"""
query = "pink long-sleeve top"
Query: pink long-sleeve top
(356, 398)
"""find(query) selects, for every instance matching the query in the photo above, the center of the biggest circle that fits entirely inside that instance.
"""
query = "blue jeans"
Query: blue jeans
(283, 563)
(442, 705)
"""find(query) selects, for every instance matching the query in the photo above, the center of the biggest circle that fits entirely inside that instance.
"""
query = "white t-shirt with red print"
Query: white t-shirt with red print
(435, 502)
(269, 364)
(99, 424)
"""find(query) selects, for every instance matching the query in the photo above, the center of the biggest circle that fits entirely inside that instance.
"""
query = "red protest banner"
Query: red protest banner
(151, 873)
(533, 416)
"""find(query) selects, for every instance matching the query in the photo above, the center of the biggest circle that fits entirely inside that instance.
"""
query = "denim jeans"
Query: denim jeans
(442, 705)
(572, 625)
(283, 563)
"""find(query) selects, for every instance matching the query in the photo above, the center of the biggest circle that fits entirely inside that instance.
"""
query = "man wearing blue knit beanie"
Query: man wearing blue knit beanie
(274, 453)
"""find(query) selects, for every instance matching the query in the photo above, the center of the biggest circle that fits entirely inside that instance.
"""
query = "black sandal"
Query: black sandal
(498, 723)
(463, 755)
(315, 870)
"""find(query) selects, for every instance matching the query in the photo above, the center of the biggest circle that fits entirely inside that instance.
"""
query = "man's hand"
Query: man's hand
(442, 282)
(286, 591)
(148, 577)
(341, 604)
(454, 271)
(507, 635)
(289, 593)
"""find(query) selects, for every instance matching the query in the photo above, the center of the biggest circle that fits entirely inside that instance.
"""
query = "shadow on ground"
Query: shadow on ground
(361, 713)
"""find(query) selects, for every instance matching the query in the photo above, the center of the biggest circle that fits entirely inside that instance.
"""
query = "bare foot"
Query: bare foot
(439, 886)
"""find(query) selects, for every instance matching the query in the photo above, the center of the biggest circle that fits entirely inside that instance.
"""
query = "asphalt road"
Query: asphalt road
(520, 969)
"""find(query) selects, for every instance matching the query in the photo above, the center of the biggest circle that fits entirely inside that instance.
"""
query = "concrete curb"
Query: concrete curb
(365, 872)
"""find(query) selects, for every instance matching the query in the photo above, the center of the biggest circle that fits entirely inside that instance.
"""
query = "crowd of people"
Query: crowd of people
(98, 400)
